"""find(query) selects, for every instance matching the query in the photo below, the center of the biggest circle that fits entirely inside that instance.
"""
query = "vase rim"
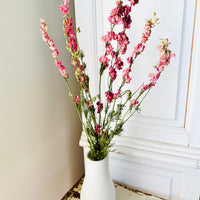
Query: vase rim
(96, 160)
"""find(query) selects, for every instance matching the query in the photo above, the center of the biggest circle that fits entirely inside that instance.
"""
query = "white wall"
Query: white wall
(39, 129)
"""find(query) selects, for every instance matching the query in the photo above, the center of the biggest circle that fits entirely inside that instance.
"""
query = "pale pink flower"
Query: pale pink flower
(65, 8)
(123, 42)
(129, 60)
(109, 37)
(119, 2)
(104, 60)
(52, 47)
(114, 19)
(62, 67)
(116, 95)
(65, 75)
(173, 55)
(134, 102)
(69, 28)
(109, 48)
(55, 53)
(139, 48)
(76, 99)
(126, 75)
(154, 77)
(57, 63)
(50, 42)
(45, 37)
(144, 87)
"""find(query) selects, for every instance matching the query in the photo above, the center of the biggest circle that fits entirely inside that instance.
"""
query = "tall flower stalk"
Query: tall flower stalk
(103, 119)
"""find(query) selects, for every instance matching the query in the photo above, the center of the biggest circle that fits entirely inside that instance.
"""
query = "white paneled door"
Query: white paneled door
(160, 146)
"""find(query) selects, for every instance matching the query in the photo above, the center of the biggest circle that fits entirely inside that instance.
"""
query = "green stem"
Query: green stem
(111, 113)
(137, 106)
(69, 88)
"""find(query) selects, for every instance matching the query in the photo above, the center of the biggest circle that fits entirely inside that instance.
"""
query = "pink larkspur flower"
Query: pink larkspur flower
(173, 55)
(65, 7)
(72, 44)
(113, 54)
(118, 63)
(99, 106)
(112, 73)
(109, 37)
(57, 63)
(139, 48)
(69, 28)
(55, 53)
(109, 49)
(123, 42)
(104, 60)
(45, 37)
(126, 9)
(144, 87)
(76, 99)
(119, 2)
(154, 77)
(126, 20)
(89, 104)
(134, 102)
(109, 96)
(65, 75)
(98, 129)
(134, 2)
(129, 60)
(116, 95)
(52, 47)
(126, 75)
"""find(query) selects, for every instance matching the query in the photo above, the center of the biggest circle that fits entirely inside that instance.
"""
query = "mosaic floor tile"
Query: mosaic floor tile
(122, 193)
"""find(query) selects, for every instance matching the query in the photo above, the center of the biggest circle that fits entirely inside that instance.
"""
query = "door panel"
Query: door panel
(164, 110)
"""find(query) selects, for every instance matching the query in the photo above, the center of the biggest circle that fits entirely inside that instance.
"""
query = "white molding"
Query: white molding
(159, 133)
(184, 65)
(88, 38)
(174, 154)
(193, 110)
(140, 176)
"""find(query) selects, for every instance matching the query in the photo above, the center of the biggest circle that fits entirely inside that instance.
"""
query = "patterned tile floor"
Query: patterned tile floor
(122, 193)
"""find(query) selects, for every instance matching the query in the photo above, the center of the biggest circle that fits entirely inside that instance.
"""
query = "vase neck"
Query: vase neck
(93, 167)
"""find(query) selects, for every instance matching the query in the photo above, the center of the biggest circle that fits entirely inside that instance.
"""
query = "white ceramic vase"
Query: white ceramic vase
(97, 184)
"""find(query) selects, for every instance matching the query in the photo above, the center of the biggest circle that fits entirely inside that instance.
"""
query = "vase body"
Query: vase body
(97, 184)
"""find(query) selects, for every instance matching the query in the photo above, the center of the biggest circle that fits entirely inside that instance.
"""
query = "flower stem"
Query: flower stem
(137, 107)
(69, 88)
